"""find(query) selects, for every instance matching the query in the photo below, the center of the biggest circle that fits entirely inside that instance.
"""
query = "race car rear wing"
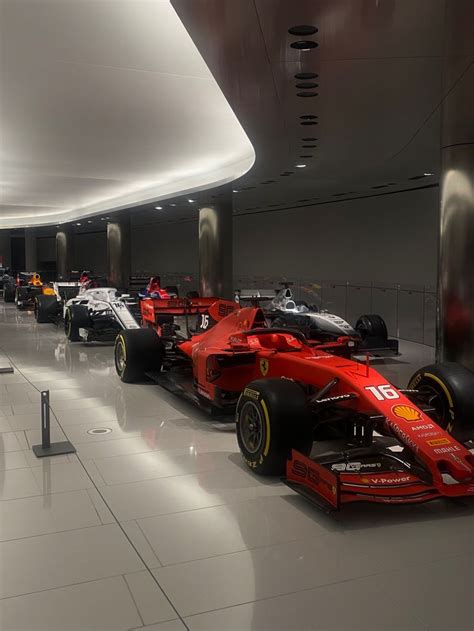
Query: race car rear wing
(156, 311)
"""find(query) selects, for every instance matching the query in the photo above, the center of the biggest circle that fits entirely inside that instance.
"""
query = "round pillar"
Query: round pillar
(215, 245)
(64, 252)
(119, 253)
(456, 250)
(31, 260)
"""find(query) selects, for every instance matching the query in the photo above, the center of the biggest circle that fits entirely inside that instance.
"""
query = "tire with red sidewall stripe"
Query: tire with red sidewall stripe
(272, 418)
(449, 387)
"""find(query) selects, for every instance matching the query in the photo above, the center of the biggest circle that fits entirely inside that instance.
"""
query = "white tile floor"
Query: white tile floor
(156, 525)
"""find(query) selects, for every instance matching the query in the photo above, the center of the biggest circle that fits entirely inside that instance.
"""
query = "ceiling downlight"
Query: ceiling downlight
(304, 45)
(306, 85)
(303, 30)
(306, 75)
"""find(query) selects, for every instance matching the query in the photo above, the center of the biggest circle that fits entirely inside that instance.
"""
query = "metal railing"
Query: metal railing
(408, 310)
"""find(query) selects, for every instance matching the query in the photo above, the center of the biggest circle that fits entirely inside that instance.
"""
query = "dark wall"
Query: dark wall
(91, 252)
(391, 238)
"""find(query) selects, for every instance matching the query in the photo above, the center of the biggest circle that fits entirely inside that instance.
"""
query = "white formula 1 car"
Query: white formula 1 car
(98, 314)
(282, 310)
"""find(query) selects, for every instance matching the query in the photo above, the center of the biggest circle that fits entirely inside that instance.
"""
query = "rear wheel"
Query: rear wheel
(448, 388)
(75, 318)
(9, 290)
(46, 308)
(21, 296)
(371, 325)
(272, 418)
(137, 352)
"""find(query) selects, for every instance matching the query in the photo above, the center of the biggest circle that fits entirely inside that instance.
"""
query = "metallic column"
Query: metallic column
(118, 253)
(456, 253)
(215, 244)
(31, 260)
(64, 253)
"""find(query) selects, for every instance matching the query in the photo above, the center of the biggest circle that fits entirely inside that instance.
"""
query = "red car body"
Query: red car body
(430, 463)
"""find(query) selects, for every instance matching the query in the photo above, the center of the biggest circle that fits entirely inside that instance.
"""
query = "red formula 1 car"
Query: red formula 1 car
(333, 427)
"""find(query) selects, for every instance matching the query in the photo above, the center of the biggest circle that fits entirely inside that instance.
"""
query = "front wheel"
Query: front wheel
(272, 418)
(137, 352)
(448, 388)
(75, 318)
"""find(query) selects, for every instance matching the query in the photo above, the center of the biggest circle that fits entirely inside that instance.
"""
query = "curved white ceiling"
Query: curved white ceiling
(105, 104)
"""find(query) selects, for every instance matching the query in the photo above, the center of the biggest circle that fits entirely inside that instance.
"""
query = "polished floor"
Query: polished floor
(155, 524)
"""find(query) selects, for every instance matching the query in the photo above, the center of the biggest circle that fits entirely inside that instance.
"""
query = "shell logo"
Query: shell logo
(407, 413)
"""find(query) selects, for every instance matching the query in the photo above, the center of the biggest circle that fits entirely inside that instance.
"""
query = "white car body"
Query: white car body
(103, 301)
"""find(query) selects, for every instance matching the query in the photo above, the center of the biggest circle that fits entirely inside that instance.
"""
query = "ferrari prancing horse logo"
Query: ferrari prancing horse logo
(264, 366)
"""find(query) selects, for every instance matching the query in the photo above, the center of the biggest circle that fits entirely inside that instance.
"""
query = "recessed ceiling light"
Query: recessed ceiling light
(304, 45)
(300, 166)
(306, 95)
(102, 218)
(306, 75)
(89, 221)
(78, 223)
(191, 201)
(173, 205)
(235, 190)
(107, 217)
(303, 29)
(306, 85)
(158, 207)
(428, 174)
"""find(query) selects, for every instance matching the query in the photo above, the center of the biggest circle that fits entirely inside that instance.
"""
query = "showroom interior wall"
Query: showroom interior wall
(386, 238)
(91, 251)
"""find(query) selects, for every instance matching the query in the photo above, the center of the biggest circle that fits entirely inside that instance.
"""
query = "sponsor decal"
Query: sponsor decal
(417, 428)
(312, 475)
(401, 479)
(428, 434)
(446, 450)
(224, 310)
(407, 413)
(438, 441)
(354, 466)
(264, 366)
(403, 436)
(252, 394)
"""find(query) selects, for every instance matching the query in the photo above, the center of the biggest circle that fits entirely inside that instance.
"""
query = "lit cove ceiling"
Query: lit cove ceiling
(106, 105)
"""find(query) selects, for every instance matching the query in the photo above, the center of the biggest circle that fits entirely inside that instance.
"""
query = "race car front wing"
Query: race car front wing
(330, 483)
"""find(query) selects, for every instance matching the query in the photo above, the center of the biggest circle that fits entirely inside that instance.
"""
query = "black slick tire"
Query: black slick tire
(272, 418)
(137, 352)
(46, 309)
(371, 325)
(449, 388)
(9, 290)
(75, 318)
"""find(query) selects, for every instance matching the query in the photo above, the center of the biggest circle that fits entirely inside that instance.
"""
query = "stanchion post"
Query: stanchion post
(46, 448)
(45, 421)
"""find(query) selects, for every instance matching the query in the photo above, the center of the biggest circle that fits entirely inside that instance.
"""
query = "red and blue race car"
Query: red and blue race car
(333, 427)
